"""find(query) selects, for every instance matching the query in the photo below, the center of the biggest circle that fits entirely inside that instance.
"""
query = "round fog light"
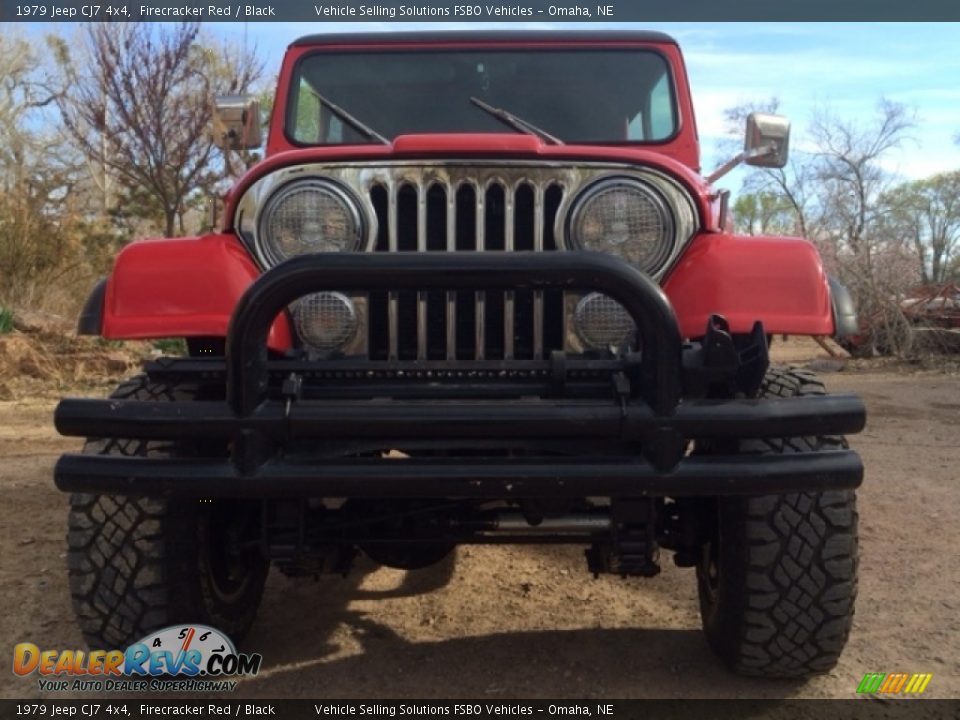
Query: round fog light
(326, 321)
(601, 322)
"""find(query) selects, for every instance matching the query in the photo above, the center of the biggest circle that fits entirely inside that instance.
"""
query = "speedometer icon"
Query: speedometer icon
(201, 641)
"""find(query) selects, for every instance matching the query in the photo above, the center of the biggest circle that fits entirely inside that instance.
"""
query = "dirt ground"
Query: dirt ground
(508, 622)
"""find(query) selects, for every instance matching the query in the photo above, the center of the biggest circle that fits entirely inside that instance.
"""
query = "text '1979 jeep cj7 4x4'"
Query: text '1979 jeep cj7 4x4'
(476, 292)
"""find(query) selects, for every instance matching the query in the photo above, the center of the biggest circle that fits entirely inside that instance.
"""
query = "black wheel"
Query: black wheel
(140, 564)
(778, 580)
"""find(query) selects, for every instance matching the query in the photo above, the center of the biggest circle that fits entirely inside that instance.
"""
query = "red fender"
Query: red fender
(779, 281)
(181, 287)
(188, 287)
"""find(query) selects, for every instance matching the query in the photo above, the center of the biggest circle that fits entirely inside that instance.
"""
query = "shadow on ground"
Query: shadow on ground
(330, 649)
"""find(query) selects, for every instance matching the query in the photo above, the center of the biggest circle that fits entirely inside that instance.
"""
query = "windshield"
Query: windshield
(586, 96)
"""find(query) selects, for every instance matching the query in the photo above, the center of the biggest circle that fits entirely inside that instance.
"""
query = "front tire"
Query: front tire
(778, 579)
(139, 564)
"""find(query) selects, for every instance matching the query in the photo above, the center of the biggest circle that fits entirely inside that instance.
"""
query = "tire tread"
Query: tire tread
(790, 611)
(133, 561)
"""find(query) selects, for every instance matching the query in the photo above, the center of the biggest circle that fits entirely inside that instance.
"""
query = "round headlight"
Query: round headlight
(626, 218)
(326, 321)
(602, 322)
(309, 216)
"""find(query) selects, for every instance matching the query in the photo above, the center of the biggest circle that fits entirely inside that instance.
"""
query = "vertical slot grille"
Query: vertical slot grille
(422, 211)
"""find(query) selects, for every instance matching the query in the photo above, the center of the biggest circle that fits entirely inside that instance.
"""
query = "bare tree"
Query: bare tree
(852, 183)
(836, 192)
(137, 103)
(796, 185)
(793, 184)
(851, 176)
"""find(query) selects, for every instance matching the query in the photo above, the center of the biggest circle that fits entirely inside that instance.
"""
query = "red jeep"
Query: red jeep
(477, 292)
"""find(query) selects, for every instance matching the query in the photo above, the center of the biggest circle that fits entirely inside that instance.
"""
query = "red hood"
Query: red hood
(492, 146)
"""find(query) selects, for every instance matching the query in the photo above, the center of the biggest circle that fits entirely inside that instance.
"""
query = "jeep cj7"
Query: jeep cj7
(477, 291)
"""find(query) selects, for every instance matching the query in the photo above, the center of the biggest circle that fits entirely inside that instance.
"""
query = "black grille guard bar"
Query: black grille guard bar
(476, 478)
(411, 419)
(656, 416)
(363, 272)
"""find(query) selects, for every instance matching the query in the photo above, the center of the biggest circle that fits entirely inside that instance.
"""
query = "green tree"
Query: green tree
(39, 223)
(765, 213)
(926, 214)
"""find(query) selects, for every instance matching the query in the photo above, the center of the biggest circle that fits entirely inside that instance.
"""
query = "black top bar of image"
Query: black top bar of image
(506, 11)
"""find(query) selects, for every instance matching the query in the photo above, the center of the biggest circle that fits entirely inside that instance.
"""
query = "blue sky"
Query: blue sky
(846, 67)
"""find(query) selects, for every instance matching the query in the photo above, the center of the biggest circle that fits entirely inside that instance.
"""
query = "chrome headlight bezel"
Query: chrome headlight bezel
(269, 254)
(594, 191)
(674, 204)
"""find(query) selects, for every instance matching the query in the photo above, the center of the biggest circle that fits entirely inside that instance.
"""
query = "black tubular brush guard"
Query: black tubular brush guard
(652, 414)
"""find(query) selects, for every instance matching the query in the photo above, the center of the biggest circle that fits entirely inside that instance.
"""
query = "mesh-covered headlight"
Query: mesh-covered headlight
(624, 217)
(326, 321)
(603, 323)
(309, 216)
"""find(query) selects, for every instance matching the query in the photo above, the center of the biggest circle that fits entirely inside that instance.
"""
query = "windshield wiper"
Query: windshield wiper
(516, 123)
(356, 124)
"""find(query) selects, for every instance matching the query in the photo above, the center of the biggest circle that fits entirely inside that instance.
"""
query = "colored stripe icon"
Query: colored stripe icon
(894, 683)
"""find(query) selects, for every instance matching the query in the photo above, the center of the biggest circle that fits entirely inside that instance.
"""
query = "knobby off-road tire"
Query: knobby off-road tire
(139, 564)
(778, 582)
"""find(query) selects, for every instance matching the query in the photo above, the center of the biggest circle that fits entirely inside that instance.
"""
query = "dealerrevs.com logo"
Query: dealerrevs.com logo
(180, 658)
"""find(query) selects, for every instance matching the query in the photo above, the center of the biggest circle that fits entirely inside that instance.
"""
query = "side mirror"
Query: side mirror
(236, 122)
(767, 140)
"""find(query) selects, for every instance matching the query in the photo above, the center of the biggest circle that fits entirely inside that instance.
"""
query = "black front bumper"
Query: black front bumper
(654, 410)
